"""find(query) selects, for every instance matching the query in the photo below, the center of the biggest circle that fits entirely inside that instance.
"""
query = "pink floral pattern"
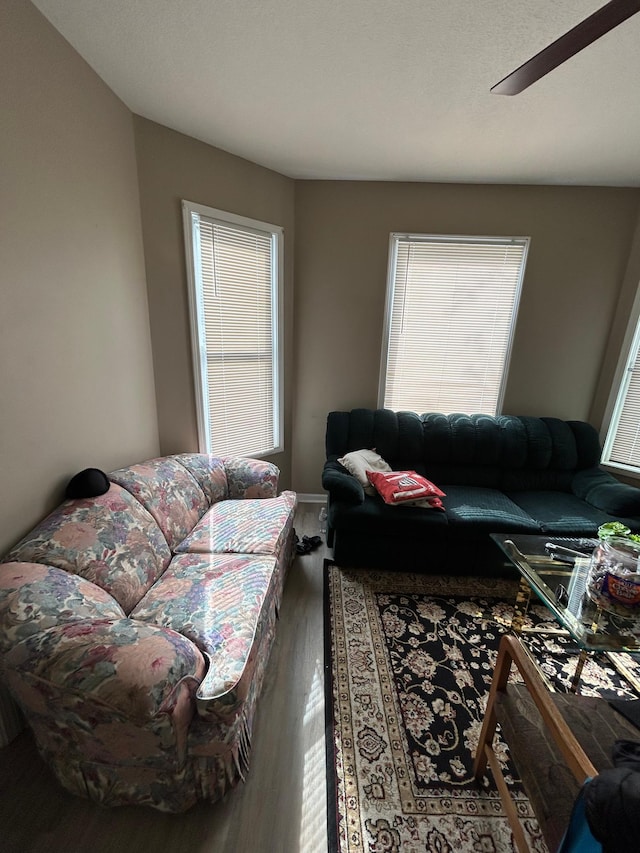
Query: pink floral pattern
(251, 478)
(35, 597)
(243, 527)
(157, 708)
(210, 473)
(110, 540)
(131, 667)
(98, 742)
(219, 603)
(168, 491)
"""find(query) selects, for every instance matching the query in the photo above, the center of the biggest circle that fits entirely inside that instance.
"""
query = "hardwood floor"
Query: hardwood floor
(280, 809)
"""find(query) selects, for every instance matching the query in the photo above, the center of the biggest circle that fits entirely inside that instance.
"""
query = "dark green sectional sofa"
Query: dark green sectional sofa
(502, 474)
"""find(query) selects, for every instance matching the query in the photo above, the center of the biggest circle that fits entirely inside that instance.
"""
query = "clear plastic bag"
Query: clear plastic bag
(614, 576)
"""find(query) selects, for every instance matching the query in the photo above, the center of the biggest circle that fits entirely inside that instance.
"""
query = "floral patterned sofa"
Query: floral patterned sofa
(135, 627)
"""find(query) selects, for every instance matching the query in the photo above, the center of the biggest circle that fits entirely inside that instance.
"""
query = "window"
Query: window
(622, 443)
(234, 270)
(451, 309)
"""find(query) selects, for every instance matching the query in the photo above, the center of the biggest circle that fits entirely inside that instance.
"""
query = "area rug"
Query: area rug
(408, 665)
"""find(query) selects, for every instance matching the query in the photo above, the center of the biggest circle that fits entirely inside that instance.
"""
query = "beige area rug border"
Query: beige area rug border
(351, 830)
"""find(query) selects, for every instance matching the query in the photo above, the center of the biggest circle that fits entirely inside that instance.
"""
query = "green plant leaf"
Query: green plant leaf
(613, 528)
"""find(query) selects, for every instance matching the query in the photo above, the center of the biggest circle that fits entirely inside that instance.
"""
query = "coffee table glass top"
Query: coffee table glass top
(560, 582)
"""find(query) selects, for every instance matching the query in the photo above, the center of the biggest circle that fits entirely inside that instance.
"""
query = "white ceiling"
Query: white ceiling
(373, 89)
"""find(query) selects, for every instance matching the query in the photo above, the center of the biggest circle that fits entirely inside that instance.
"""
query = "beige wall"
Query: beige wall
(620, 338)
(580, 244)
(76, 375)
(173, 167)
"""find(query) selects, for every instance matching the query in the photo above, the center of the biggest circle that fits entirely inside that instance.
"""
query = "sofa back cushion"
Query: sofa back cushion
(168, 491)
(500, 452)
(251, 478)
(210, 473)
(111, 540)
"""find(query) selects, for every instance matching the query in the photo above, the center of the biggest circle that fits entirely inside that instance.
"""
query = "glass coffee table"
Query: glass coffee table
(559, 580)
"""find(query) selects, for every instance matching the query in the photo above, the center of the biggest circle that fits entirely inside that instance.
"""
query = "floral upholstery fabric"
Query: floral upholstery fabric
(217, 602)
(209, 471)
(111, 540)
(97, 742)
(139, 673)
(214, 766)
(34, 597)
(217, 753)
(251, 478)
(132, 668)
(168, 788)
(168, 491)
(243, 527)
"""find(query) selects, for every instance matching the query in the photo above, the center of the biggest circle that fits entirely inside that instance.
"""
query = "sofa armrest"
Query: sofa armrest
(251, 478)
(341, 485)
(34, 597)
(134, 669)
(602, 490)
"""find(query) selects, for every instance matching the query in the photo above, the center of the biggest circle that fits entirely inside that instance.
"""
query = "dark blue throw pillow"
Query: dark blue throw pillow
(87, 484)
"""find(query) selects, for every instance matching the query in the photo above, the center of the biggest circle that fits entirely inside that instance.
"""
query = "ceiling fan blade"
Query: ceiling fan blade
(563, 48)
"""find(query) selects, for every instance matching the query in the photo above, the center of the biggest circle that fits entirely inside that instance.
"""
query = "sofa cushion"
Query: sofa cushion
(209, 471)
(217, 601)
(374, 517)
(251, 478)
(588, 445)
(472, 441)
(559, 513)
(34, 597)
(111, 540)
(243, 527)
(168, 491)
(360, 462)
(486, 509)
(536, 480)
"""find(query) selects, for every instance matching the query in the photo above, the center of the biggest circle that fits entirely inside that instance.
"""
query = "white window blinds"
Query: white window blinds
(622, 444)
(451, 309)
(235, 313)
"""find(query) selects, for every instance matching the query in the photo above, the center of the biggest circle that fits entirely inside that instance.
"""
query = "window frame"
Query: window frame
(394, 240)
(629, 352)
(197, 328)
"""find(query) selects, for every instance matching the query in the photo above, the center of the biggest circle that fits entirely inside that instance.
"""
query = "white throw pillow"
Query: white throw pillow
(358, 462)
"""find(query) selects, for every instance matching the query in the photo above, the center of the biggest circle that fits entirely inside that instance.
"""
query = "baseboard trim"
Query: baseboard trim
(311, 499)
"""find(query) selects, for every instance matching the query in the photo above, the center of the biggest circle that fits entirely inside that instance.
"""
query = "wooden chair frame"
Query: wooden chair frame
(511, 651)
